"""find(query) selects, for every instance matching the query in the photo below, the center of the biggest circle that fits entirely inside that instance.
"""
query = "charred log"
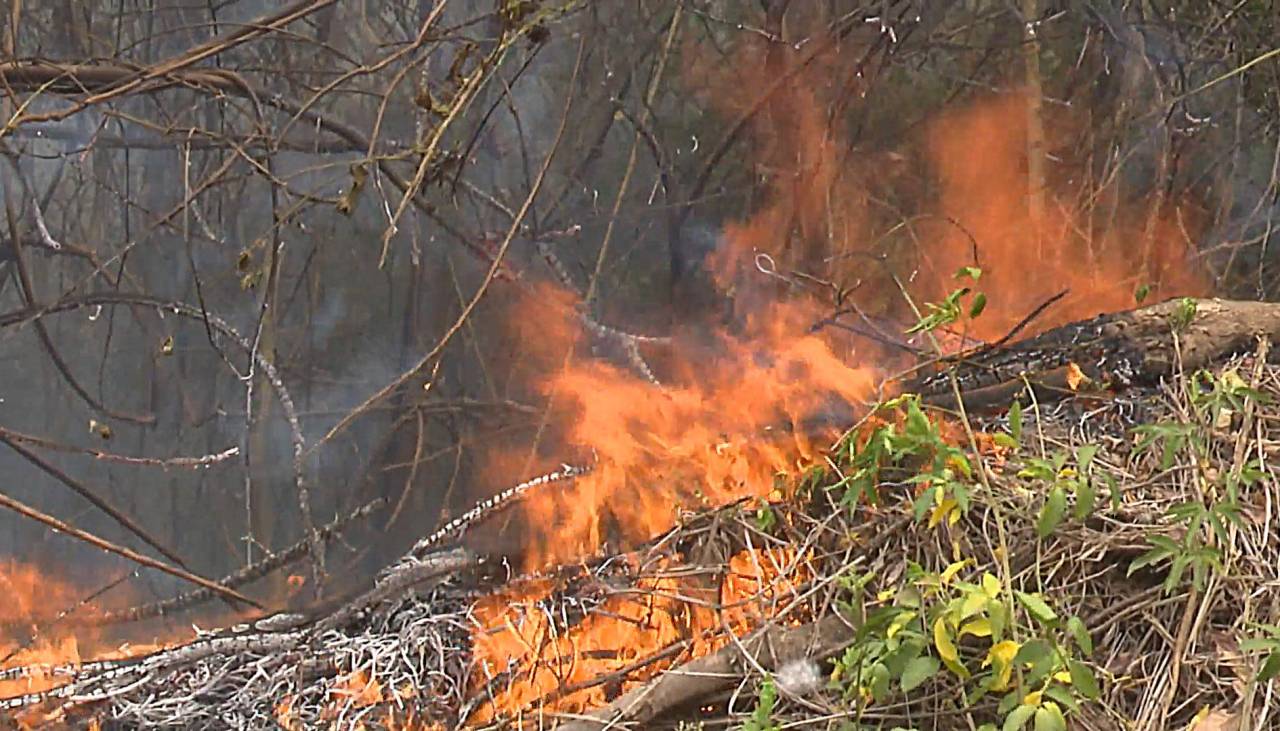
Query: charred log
(1113, 351)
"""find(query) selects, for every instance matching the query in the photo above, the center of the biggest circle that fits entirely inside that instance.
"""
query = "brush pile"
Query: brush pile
(1106, 556)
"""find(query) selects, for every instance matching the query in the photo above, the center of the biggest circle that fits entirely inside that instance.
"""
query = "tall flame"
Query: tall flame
(701, 439)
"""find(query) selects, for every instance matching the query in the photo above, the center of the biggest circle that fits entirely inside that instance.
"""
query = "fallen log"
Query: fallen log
(1118, 350)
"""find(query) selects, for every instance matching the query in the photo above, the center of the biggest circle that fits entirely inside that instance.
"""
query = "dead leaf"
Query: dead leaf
(1075, 377)
(347, 203)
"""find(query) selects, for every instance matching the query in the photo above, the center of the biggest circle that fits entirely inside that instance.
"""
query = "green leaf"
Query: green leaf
(1049, 718)
(1270, 667)
(1140, 295)
(1080, 634)
(999, 616)
(918, 671)
(990, 585)
(1009, 702)
(924, 502)
(1183, 314)
(1216, 524)
(1004, 440)
(1113, 487)
(880, 683)
(1063, 696)
(1086, 498)
(973, 273)
(1083, 680)
(1015, 421)
(1085, 455)
(1154, 556)
(1037, 607)
(961, 495)
(978, 305)
(1040, 655)
(1255, 644)
(1018, 718)
(1033, 653)
(1176, 569)
(1051, 515)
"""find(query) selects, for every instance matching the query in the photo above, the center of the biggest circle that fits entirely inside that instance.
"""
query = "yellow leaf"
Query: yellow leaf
(1232, 380)
(990, 585)
(1062, 676)
(942, 640)
(1001, 655)
(885, 595)
(950, 572)
(977, 628)
(1003, 676)
(1032, 698)
(954, 516)
(974, 602)
(940, 512)
(899, 623)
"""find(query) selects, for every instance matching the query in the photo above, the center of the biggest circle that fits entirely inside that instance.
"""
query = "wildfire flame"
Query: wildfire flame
(743, 410)
(734, 417)
(664, 619)
(30, 591)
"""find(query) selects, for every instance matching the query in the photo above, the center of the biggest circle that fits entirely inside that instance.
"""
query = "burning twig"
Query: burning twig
(246, 667)
(489, 506)
(1126, 348)
(1022, 324)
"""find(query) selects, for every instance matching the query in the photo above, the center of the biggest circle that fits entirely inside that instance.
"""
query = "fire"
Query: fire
(691, 445)
(745, 408)
(355, 689)
(734, 416)
(665, 618)
(979, 156)
(30, 593)
(33, 594)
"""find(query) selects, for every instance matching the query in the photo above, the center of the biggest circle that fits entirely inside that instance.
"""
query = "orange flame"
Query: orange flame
(736, 415)
(632, 637)
(32, 594)
(697, 442)
(356, 690)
